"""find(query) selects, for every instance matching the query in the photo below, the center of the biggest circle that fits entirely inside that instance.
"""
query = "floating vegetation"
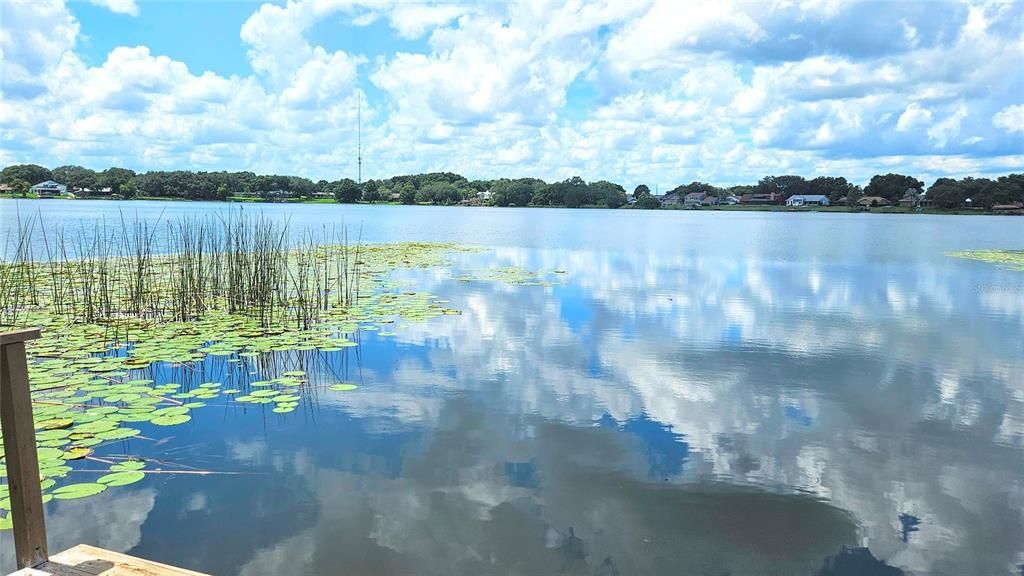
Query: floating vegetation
(73, 491)
(1011, 259)
(231, 287)
(511, 275)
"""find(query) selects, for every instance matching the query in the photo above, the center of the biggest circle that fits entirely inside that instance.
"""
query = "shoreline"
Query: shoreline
(722, 208)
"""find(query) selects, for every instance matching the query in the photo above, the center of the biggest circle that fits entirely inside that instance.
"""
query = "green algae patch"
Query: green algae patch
(1009, 259)
(512, 275)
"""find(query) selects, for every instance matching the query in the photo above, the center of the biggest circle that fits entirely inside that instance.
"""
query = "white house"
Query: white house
(49, 189)
(807, 200)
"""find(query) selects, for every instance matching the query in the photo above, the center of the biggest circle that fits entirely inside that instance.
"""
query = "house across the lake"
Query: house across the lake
(274, 194)
(694, 199)
(49, 189)
(869, 201)
(1014, 208)
(671, 199)
(762, 199)
(911, 199)
(807, 200)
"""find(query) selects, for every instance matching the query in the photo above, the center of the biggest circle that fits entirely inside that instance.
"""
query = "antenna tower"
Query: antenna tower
(359, 138)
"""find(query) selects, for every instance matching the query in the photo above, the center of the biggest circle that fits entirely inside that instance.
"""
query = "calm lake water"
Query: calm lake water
(706, 393)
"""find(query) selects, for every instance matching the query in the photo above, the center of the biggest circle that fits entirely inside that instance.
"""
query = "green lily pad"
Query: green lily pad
(77, 453)
(72, 491)
(118, 434)
(171, 419)
(128, 465)
(263, 393)
(171, 411)
(122, 478)
(342, 387)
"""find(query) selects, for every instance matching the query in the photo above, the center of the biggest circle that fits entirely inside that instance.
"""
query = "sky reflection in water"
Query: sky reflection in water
(651, 414)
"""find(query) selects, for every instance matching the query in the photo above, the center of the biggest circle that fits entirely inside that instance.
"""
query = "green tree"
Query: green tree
(21, 187)
(831, 186)
(116, 178)
(998, 192)
(439, 192)
(785, 185)
(892, 186)
(946, 193)
(130, 188)
(76, 177)
(370, 191)
(607, 193)
(640, 192)
(574, 197)
(511, 192)
(854, 195)
(1016, 180)
(648, 202)
(345, 190)
(31, 173)
(406, 193)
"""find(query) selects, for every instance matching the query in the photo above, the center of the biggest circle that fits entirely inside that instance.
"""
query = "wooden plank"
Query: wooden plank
(19, 336)
(20, 455)
(50, 569)
(97, 561)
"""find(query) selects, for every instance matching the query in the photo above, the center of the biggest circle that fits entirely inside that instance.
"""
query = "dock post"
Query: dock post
(20, 450)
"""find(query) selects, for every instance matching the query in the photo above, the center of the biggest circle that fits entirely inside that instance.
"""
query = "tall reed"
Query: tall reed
(178, 271)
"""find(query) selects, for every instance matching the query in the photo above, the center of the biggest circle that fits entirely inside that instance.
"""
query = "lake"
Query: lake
(705, 393)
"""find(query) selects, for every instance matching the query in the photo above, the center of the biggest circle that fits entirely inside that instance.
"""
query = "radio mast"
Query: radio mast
(359, 137)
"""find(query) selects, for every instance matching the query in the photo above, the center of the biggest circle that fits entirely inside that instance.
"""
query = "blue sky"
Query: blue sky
(653, 91)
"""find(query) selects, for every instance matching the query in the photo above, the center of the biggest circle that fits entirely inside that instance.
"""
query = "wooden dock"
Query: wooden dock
(30, 548)
(84, 560)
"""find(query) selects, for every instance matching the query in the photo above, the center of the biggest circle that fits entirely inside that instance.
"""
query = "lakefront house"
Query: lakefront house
(694, 199)
(49, 189)
(807, 200)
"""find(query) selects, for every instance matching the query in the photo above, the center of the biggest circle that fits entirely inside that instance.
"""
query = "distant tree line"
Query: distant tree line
(447, 188)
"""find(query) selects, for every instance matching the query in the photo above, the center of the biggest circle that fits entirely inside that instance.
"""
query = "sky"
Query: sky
(660, 92)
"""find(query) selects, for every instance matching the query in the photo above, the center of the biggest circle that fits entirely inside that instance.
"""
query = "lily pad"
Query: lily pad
(77, 453)
(118, 434)
(72, 491)
(171, 419)
(122, 478)
(128, 465)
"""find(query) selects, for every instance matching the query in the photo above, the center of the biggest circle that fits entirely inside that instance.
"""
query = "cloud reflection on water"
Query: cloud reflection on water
(679, 413)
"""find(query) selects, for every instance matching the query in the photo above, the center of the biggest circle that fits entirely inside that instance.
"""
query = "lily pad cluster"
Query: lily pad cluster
(95, 384)
(89, 380)
(81, 413)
